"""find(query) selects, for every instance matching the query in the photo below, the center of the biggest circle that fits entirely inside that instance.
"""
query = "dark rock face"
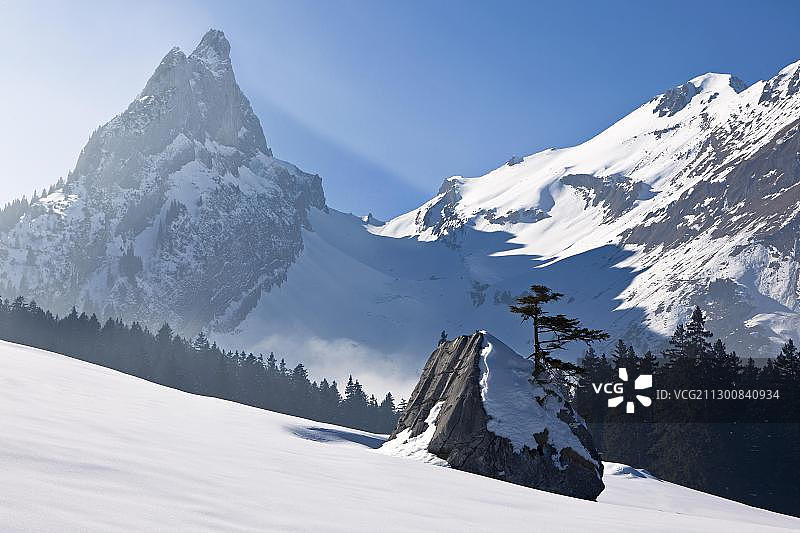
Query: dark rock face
(761, 188)
(618, 193)
(528, 216)
(675, 99)
(441, 216)
(452, 377)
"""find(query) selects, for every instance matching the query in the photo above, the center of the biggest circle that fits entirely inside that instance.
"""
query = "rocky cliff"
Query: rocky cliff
(474, 409)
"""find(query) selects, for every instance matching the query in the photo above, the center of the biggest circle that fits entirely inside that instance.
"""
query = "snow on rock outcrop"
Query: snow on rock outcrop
(475, 409)
(416, 447)
(520, 410)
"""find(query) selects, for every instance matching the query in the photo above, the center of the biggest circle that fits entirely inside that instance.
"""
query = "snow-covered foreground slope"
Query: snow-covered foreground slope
(84, 448)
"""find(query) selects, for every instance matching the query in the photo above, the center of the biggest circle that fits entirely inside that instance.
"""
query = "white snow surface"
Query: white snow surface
(510, 400)
(84, 448)
(404, 445)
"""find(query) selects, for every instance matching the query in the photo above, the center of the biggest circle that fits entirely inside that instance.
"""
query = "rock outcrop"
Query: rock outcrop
(475, 409)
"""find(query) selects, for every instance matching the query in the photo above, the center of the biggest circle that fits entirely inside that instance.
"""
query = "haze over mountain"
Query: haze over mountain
(177, 210)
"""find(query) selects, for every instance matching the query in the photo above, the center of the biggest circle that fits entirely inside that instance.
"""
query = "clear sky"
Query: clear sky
(384, 99)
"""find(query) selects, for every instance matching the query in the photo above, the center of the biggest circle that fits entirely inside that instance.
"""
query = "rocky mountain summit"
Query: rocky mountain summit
(176, 209)
(475, 409)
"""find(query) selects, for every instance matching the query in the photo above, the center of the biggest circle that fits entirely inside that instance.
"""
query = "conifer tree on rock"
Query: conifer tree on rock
(551, 332)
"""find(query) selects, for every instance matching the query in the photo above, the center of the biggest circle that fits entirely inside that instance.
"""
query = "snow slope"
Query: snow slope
(85, 448)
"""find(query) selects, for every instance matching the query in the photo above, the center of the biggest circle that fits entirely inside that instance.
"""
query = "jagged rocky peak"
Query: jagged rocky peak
(189, 105)
(475, 409)
(177, 195)
(785, 84)
(677, 98)
(214, 51)
(212, 54)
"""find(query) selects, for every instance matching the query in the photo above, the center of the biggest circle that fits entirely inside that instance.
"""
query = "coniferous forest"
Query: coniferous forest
(745, 449)
(197, 366)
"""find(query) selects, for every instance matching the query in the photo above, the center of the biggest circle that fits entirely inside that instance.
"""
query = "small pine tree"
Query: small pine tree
(130, 264)
(201, 343)
(648, 364)
(387, 405)
(164, 335)
(551, 332)
(624, 356)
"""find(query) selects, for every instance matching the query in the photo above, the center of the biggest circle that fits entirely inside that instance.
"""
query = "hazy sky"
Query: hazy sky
(383, 99)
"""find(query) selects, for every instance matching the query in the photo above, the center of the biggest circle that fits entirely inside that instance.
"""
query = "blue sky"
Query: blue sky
(383, 99)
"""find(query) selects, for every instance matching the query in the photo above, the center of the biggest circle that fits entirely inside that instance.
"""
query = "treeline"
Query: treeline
(197, 366)
(746, 448)
(11, 212)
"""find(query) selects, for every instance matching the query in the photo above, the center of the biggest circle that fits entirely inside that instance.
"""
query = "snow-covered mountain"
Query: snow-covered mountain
(177, 210)
(692, 198)
(694, 195)
(85, 448)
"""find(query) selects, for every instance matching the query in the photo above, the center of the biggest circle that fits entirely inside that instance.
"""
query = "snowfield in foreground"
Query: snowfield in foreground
(84, 448)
